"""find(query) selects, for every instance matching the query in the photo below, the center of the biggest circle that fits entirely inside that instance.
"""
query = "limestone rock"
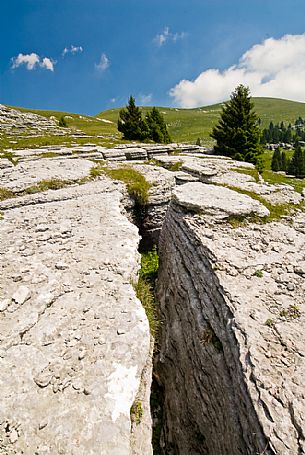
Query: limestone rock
(68, 380)
(235, 331)
(29, 173)
(22, 294)
(214, 200)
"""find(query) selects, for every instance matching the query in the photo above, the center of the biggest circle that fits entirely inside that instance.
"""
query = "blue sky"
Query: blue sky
(161, 51)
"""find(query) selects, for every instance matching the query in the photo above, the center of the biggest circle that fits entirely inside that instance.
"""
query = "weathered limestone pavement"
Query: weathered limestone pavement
(75, 348)
(74, 338)
(232, 346)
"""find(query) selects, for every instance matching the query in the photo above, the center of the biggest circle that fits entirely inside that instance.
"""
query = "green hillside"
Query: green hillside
(186, 125)
(88, 124)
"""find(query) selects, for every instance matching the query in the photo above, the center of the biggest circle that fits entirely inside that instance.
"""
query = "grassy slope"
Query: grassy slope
(89, 125)
(187, 125)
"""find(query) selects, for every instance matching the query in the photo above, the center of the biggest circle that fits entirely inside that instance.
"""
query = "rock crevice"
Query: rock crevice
(232, 380)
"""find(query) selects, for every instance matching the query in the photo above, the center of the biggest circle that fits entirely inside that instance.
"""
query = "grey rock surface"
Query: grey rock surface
(74, 339)
(28, 173)
(216, 201)
(232, 343)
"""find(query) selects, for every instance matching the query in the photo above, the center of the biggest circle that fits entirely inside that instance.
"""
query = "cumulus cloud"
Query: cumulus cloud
(144, 99)
(273, 68)
(32, 61)
(103, 64)
(47, 63)
(167, 35)
(29, 60)
(72, 50)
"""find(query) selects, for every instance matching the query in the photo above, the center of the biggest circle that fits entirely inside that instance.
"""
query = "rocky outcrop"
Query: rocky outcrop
(14, 122)
(232, 344)
(74, 339)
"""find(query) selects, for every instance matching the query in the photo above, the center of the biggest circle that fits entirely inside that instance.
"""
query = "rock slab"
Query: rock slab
(74, 339)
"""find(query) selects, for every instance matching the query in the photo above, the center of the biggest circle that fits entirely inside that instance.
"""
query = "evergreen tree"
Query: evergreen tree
(131, 123)
(297, 163)
(284, 162)
(237, 133)
(276, 162)
(157, 130)
(62, 122)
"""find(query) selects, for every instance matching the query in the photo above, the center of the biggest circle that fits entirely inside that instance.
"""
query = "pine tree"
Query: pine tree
(62, 122)
(237, 133)
(131, 123)
(297, 163)
(284, 162)
(276, 162)
(157, 130)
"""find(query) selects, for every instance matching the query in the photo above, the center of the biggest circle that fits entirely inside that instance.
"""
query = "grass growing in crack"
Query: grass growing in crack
(6, 194)
(258, 273)
(270, 323)
(136, 412)
(145, 293)
(292, 312)
(9, 156)
(137, 185)
(276, 211)
(44, 185)
(145, 288)
(49, 155)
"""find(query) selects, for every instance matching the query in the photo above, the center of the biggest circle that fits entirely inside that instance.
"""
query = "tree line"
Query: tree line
(294, 166)
(136, 127)
(276, 133)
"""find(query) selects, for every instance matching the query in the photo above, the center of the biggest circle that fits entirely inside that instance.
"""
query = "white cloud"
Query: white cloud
(273, 68)
(29, 60)
(145, 99)
(103, 64)
(47, 63)
(32, 61)
(72, 50)
(167, 35)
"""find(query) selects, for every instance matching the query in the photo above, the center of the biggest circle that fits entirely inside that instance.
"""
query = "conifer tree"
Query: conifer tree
(237, 133)
(297, 163)
(131, 123)
(284, 162)
(276, 162)
(157, 130)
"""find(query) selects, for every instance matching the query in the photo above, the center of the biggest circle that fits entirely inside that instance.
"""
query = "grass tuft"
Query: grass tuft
(136, 412)
(44, 185)
(6, 194)
(276, 211)
(137, 185)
